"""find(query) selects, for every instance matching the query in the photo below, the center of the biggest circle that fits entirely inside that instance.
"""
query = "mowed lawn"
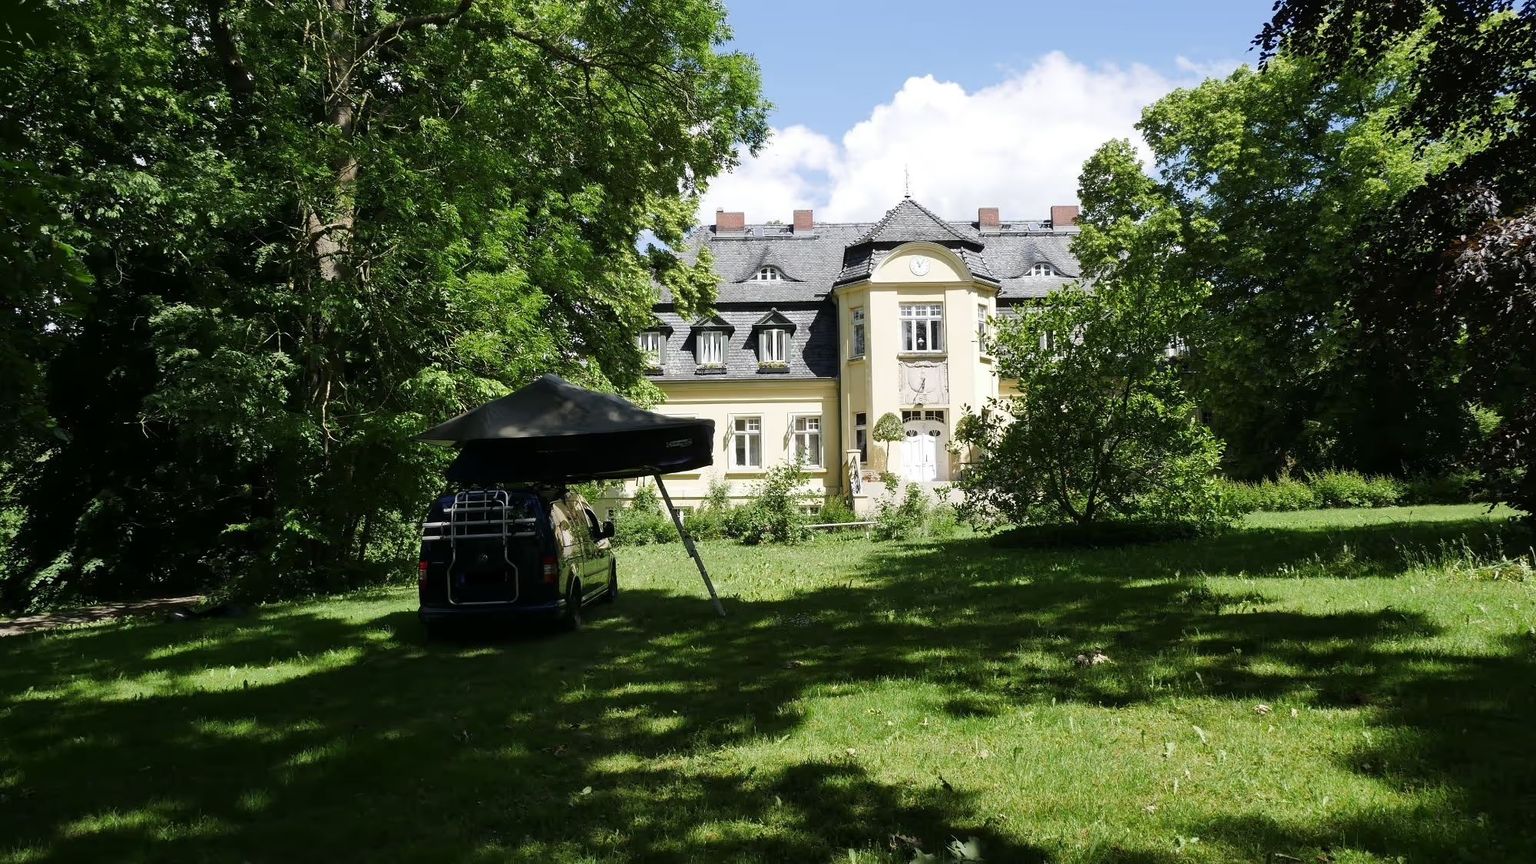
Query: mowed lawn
(1322, 686)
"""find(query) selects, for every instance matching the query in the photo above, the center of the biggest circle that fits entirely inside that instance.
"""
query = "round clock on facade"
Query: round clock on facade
(918, 265)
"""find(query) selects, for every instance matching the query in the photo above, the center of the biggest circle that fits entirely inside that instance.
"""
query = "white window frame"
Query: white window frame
(768, 274)
(805, 430)
(709, 348)
(743, 438)
(1043, 268)
(653, 357)
(861, 435)
(926, 320)
(983, 325)
(773, 345)
(857, 339)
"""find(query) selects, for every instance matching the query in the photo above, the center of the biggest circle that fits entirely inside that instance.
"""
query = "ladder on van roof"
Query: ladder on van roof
(484, 514)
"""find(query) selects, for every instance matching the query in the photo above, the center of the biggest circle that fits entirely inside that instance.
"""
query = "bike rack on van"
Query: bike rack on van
(481, 514)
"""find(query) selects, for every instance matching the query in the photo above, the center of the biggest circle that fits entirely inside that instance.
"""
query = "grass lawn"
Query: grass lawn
(1316, 687)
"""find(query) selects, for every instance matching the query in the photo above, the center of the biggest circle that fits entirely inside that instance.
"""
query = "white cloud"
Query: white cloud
(1018, 144)
(1207, 69)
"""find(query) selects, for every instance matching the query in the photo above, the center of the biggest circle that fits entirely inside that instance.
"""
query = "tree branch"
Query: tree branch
(389, 31)
(236, 77)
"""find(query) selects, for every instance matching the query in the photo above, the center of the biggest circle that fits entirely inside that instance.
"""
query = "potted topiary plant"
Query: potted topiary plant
(888, 429)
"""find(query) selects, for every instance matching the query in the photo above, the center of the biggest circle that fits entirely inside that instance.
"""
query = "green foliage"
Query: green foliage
(1444, 275)
(1276, 177)
(888, 430)
(901, 514)
(1456, 488)
(712, 520)
(1281, 494)
(706, 524)
(643, 521)
(276, 241)
(774, 515)
(1103, 429)
(837, 510)
(1349, 489)
(909, 513)
(1335, 488)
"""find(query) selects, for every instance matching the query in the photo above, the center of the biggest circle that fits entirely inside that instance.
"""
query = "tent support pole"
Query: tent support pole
(693, 551)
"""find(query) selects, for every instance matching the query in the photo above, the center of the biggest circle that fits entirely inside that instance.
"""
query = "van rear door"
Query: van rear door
(495, 544)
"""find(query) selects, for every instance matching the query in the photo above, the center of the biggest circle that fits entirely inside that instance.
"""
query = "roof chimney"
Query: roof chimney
(803, 221)
(730, 223)
(987, 219)
(1063, 215)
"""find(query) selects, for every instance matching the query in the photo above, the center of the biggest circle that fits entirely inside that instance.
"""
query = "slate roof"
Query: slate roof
(910, 221)
(812, 343)
(831, 254)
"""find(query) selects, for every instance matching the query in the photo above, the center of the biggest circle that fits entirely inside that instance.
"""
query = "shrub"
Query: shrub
(943, 521)
(1459, 487)
(1350, 489)
(1241, 497)
(1283, 494)
(712, 520)
(1287, 493)
(642, 522)
(901, 515)
(1383, 491)
(735, 522)
(706, 523)
(837, 510)
(774, 515)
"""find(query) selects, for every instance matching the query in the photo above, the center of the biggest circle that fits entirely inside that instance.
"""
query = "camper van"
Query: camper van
(513, 553)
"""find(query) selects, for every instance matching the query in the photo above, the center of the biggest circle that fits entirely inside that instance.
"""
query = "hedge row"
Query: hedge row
(1348, 489)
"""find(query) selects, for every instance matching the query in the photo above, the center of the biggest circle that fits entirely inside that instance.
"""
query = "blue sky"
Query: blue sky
(983, 103)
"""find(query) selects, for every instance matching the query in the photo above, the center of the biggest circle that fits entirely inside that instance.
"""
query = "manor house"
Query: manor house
(821, 328)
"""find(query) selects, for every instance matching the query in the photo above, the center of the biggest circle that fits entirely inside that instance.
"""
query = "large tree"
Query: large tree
(1450, 272)
(1103, 429)
(316, 227)
(1277, 175)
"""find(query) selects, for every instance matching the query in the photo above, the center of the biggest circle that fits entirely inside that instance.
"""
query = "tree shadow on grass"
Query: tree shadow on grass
(617, 743)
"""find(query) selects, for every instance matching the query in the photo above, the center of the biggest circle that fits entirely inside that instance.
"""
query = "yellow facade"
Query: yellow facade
(924, 291)
(775, 404)
(868, 383)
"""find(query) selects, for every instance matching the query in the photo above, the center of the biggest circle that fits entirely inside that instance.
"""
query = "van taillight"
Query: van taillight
(421, 574)
(551, 570)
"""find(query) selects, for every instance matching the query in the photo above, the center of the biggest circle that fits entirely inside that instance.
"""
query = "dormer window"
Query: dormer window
(768, 274)
(650, 343)
(773, 345)
(773, 333)
(709, 342)
(1043, 269)
(709, 348)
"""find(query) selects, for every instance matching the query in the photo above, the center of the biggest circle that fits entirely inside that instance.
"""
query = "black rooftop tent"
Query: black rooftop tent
(554, 431)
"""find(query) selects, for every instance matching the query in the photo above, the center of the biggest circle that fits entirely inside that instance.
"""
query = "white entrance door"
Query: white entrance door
(920, 456)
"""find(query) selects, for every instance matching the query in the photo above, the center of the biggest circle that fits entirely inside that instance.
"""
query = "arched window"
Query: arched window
(768, 274)
(1043, 269)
